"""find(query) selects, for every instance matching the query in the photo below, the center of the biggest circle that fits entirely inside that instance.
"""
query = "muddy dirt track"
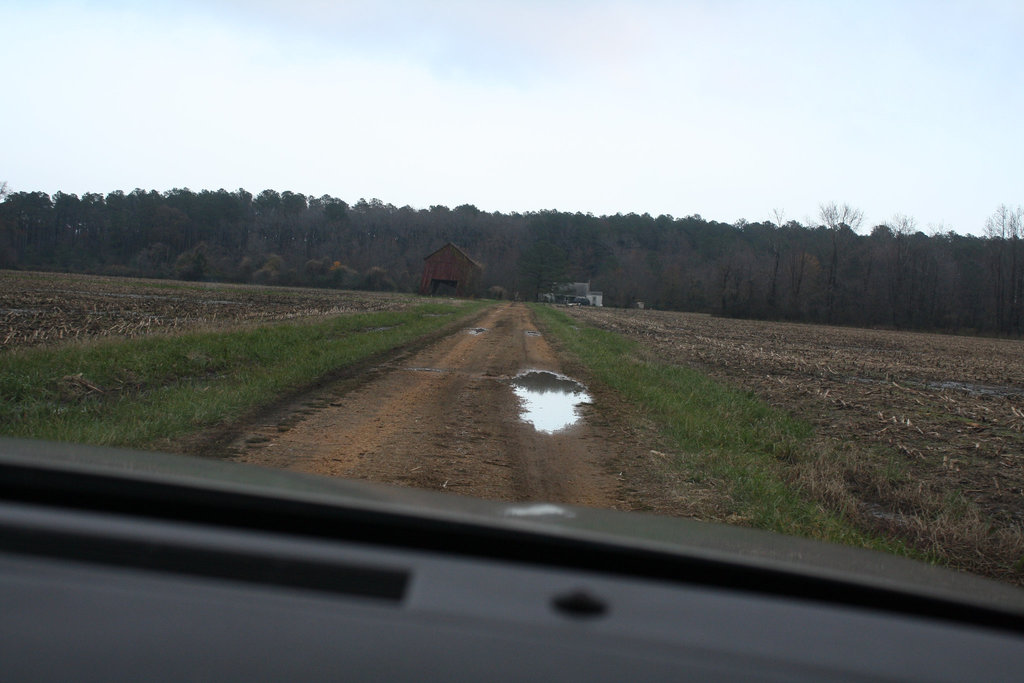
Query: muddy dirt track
(446, 418)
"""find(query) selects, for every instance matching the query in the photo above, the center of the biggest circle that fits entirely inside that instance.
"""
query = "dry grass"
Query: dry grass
(918, 436)
(46, 308)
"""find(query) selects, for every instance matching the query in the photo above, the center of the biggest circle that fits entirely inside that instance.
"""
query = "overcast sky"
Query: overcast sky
(725, 109)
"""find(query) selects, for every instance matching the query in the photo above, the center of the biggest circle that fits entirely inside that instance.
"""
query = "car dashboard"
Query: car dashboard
(144, 572)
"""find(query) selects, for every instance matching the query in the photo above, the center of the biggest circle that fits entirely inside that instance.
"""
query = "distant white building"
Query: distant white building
(574, 293)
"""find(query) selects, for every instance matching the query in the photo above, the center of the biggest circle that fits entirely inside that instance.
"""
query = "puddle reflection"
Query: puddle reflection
(550, 401)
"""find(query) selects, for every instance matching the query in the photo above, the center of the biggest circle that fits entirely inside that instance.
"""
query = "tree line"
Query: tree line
(832, 270)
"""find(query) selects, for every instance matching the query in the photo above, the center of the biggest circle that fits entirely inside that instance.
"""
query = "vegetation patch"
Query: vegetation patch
(723, 437)
(51, 308)
(915, 436)
(133, 392)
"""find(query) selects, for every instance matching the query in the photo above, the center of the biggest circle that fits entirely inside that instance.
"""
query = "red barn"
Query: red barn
(450, 268)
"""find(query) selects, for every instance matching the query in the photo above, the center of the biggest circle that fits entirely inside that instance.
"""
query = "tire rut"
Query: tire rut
(446, 418)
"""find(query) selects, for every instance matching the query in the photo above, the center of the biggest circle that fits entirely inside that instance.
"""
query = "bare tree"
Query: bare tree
(1017, 272)
(837, 218)
(1005, 227)
(900, 281)
(775, 245)
(902, 225)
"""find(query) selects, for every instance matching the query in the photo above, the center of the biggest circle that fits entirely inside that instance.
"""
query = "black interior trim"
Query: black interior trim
(253, 568)
(217, 508)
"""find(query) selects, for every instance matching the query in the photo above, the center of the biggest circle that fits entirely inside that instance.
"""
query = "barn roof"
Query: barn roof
(456, 248)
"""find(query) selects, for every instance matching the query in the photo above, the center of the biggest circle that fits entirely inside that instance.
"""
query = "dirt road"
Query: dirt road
(446, 418)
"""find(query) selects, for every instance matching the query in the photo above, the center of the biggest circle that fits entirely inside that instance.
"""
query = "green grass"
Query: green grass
(136, 392)
(725, 435)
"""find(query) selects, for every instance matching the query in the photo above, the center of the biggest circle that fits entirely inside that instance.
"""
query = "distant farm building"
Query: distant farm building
(450, 270)
(574, 293)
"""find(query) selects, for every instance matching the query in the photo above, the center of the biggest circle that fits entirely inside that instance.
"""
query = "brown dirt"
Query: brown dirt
(446, 418)
(918, 435)
(47, 308)
(452, 425)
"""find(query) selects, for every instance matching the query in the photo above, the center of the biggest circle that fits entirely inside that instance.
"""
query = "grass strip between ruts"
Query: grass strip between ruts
(725, 435)
(133, 392)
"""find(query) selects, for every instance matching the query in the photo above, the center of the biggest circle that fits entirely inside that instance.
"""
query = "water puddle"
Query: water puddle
(123, 295)
(476, 330)
(550, 401)
(532, 333)
(538, 510)
(977, 389)
(950, 385)
(879, 512)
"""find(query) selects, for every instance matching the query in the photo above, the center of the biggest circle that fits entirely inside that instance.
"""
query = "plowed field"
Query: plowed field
(919, 435)
(42, 308)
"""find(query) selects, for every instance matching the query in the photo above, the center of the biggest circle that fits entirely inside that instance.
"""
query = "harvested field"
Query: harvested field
(42, 308)
(918, 435)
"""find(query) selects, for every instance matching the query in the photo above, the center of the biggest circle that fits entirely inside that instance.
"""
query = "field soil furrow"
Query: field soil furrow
(446, 418)
(48, 308)
(918, 435)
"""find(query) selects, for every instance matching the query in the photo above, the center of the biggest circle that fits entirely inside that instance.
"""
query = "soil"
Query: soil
(47, 308)
(921, 435)
(446, 418)
(439, 413)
